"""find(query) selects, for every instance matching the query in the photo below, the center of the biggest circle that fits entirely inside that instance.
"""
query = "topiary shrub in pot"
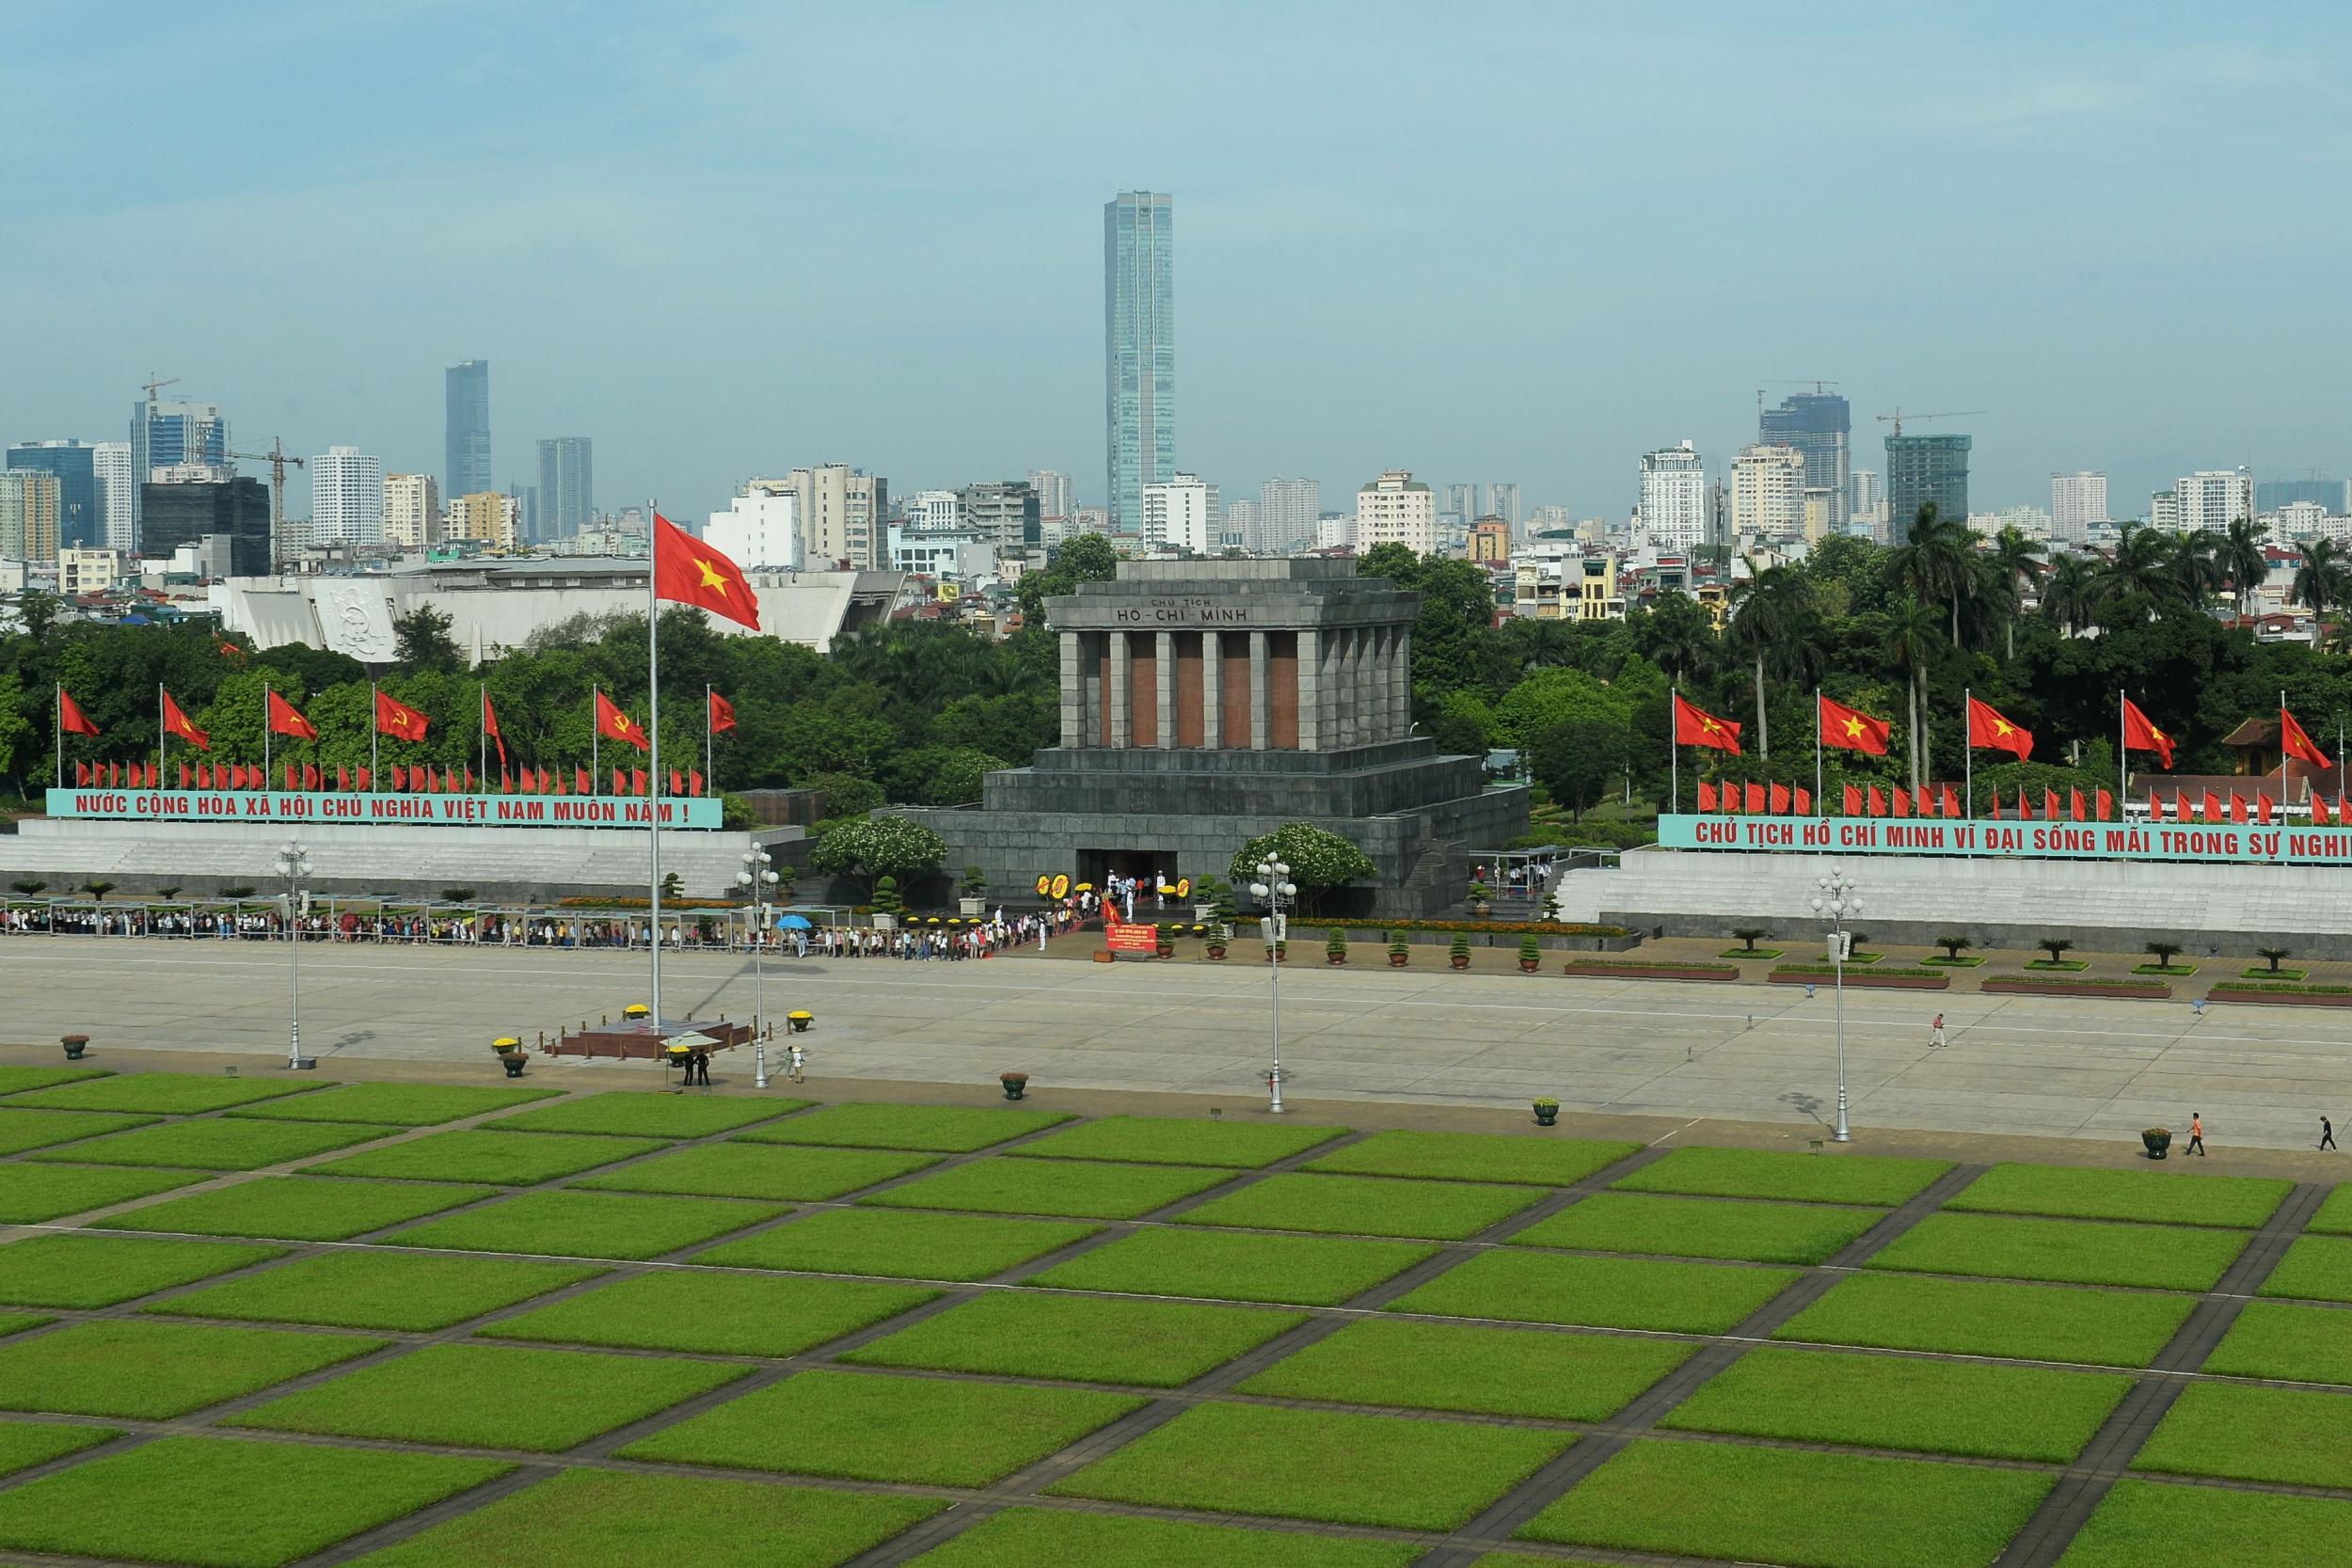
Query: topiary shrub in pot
(1400, 952)
(1458, 954)
(1335, 946)
(1531, 954)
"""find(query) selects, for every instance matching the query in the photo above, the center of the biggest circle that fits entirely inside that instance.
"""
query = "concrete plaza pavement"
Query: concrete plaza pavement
(2064, 1067)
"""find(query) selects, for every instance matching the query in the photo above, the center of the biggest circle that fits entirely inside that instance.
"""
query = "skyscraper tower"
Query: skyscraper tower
(1923, 468)
(1139, 349)
(1820, 425)
(567, 486)
(466, 453)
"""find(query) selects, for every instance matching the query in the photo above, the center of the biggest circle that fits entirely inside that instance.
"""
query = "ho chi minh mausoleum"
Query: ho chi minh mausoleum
(1206, 702)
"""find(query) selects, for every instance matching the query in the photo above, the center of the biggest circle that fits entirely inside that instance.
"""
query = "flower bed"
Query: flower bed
(1662, 971)
(2282, 993)
(1881, 978)
(2049, 985)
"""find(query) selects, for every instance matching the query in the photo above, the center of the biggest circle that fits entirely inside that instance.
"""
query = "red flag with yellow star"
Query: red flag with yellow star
(688, 570)
(1987, 728)
(1695, 726)
(1852, 729)
(2142, 734)
(613, 724)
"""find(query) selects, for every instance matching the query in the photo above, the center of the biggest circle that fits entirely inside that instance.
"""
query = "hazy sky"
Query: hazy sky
(1482, 241)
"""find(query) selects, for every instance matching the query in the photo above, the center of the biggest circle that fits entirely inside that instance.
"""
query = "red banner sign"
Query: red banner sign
(1120, 937)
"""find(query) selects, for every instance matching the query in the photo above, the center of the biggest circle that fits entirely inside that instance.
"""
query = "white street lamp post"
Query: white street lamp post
(1839, 901)
(758, 880)
(1275, 889)
(294, 863)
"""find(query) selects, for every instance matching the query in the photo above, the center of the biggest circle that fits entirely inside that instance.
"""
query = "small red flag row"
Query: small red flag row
(420, 779)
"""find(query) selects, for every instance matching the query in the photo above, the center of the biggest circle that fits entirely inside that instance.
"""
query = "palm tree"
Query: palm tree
(1768, 616)
(1676, 635)
(2140, 569)
(2068, 596)
(1935, 562)
(2321, 579)
(2244, 559)
(1913, 637)
(2016, 562)
(2194, 564)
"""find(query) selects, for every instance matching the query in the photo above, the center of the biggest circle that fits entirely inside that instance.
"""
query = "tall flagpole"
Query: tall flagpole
(653, 750)
(709, 773)
(2282, 753)
(163, 736)
(481, 733)
(58, 730)
(2123, 757)
(265, 779)
(596, 762)
(1673, 751)
(376, 728)
(1968, 751)
(1819, 800)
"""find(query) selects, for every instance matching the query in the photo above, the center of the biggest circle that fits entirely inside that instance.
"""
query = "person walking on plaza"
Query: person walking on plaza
(2196, 1134)
(2327, 1133)
(799, 1064)
(1935, 1033)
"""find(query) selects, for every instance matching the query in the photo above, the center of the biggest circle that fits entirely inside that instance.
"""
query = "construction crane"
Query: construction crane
(151, 386)
(1819, 386)
(276, 459)
(1897, 417)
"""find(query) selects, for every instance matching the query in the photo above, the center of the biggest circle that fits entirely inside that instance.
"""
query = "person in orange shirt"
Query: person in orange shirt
(2196, 1133)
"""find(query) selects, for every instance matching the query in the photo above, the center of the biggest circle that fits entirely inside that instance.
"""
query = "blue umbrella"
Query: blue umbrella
(791, 921)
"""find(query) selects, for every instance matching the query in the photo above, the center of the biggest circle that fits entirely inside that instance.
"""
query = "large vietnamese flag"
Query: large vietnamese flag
(1987, 728)
(176, 722)
(1695, 726)
(2142, 734)
(1852, 729)
(688, 570)
(2298, 745)
(70, 719)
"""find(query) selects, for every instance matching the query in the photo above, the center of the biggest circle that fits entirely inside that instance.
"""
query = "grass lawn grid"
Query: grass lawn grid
(1154, 1344)
(1474, 1157)
(412, 1293)
(2076, 1252)
(1474, 1370)
(2334, 1217)
(1301, 1271)
(2290, 1343)
(23, 1129)
(1747, 1230)
(1179, 1141)
(220, 1502)
(2142, 1522)
(2294, 1437)
(501, 1159)
(1865, 1179)
(395, 1105)
(493, 1397)
(899, 1243)
(1971, 1317)
(26, 1444)
(757, 1171)
(85, 1271)
(712, 1314)
(1081, 1189)
(1365, 1206)
(2173, 1198)
(567, 1224)
(605, 1519)
(869, 1426)
(1339, 1466)
(162, 1093)
(296, 1208)
(1894, 1401)
(1777, 1504)
(153, 1372)
(1600, 1293)
(1024, 1537)
(2317, 1267)
(35, 1194)
(933, 1129)
(215, 1144)
(637, 1112)
(19, 1080)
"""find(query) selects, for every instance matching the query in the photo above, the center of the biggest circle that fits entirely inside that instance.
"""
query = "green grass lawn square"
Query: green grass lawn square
(1703, 1227)
(1155, 1344)
(1600, 1293)
(896, 1243)
(35, 1194)
(156, 1370)
(1083, 1189)
(2141, 1523)
(1793, 1178)
(2316, 1268)
(937, 1128)
(18, 1079)
(1024, 1537)
(26, 1444)
(411, 1293)
(758, 1171)
(395, 1105)
(2335, 1215)
(635, 1113)
(867, 1426)
(1775, 1505)
(23, 1129)
(1902, 1402)
(1301, 1271)
(1477, 1370)
(160, 1094)
(588, 1225)
(2295, 1437)
(1971, 1317)
(493, 1397)
(712, 1314)
(215, 1144)
(1182, 1141)
(604, 1519)
(1341, 1466)
(2294, 1344)
(502, 1159)
(1474, 1157)
(2172, 1198)
(297, 1208)
(2074, 1252)
(99, 1271)
(1365, 1206)
(224, 1502)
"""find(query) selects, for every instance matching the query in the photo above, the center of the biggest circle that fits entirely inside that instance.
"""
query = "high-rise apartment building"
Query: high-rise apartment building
(1056, 494)
(1675, 511)
(1820, 425)
(568, 486)
(1245, 526)
(2078, 503)
(1139, 349)
(81, 520)
(760, 528)
(1182, 512)
(1768, 492)
(346, 497)
(936, 511)
(189, 512)
(485, 517)
(1866, 498)
(1503, 500)
(1289, 509)
(466, 432)
(412, 511)
(1920, 469)
(175, 435)
(1461, 502)
(1396, 509)
(1004, 510)
(2276, 495)
(2211, 501)
(843, 515)
(117, 490)
(29, 500)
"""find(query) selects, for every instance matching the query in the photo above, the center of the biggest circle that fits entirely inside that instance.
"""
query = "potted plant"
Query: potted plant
(799, 1018)
(888, 905)
(1335, 946)
(973, 892)
(510, 1054)
(2158, 1140)
(1458, 954)
(1478, 900)
(1218, 936)
(1205, 895)
(1016, 1084)
(74, 1045)
(1546, 1111)
(1277, 952)
(1531, 954)
(1400, 951)
(1164, 941)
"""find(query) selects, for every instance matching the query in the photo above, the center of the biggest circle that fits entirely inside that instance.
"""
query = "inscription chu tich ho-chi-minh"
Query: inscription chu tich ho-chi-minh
(1201, 612)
